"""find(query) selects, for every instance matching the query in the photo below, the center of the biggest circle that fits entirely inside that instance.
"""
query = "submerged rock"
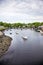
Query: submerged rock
(5, 42)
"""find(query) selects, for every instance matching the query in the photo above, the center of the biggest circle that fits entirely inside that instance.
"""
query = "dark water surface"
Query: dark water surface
(24, 52)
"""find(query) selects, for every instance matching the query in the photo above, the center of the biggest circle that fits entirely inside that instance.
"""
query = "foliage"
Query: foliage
(21, 25)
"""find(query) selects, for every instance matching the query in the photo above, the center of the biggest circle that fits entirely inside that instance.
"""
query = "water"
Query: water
(24, 52)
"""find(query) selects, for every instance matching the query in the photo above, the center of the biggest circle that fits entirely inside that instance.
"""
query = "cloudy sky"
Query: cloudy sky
(21, 10)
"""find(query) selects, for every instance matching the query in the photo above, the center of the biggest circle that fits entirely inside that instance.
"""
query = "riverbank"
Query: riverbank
(2, 28)
(5, 42)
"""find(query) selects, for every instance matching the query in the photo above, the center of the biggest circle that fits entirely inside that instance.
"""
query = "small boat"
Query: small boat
(10, 33)
(10, 30)
(21, 28)
(41, 32)
(7, 29)
(17, 33)
(25, 38)
(38, 30)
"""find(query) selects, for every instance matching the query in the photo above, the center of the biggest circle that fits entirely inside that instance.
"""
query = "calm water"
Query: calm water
(24, 52)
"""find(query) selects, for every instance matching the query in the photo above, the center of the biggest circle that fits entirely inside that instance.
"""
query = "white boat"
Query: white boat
(41, 32)
(25, 38)
(17, 33)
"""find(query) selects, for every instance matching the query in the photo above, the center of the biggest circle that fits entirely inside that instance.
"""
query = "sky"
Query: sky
(24, 11)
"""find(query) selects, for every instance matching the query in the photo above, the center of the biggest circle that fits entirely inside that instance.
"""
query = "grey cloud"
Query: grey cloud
(2, 1)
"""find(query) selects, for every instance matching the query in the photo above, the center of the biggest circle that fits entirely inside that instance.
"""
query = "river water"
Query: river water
(23, 52)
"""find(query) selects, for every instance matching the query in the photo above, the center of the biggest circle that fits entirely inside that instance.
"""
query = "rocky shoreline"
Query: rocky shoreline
(5, 42)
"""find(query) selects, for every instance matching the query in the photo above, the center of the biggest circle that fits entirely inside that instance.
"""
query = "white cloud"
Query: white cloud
(21, 10)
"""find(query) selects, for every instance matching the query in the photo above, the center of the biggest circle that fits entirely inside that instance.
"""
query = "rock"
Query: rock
(1, 34)
(5, 42)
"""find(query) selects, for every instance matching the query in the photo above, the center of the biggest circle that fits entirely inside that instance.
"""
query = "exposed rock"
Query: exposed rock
(5, 42)
(1, 34)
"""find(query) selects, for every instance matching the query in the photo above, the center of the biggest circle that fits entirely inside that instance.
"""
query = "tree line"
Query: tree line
(21, 25)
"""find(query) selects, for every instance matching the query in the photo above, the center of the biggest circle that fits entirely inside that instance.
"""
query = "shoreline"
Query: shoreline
(5, 42)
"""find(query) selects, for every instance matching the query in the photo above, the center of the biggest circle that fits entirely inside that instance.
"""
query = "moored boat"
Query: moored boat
(25, 37)
(41, 32)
